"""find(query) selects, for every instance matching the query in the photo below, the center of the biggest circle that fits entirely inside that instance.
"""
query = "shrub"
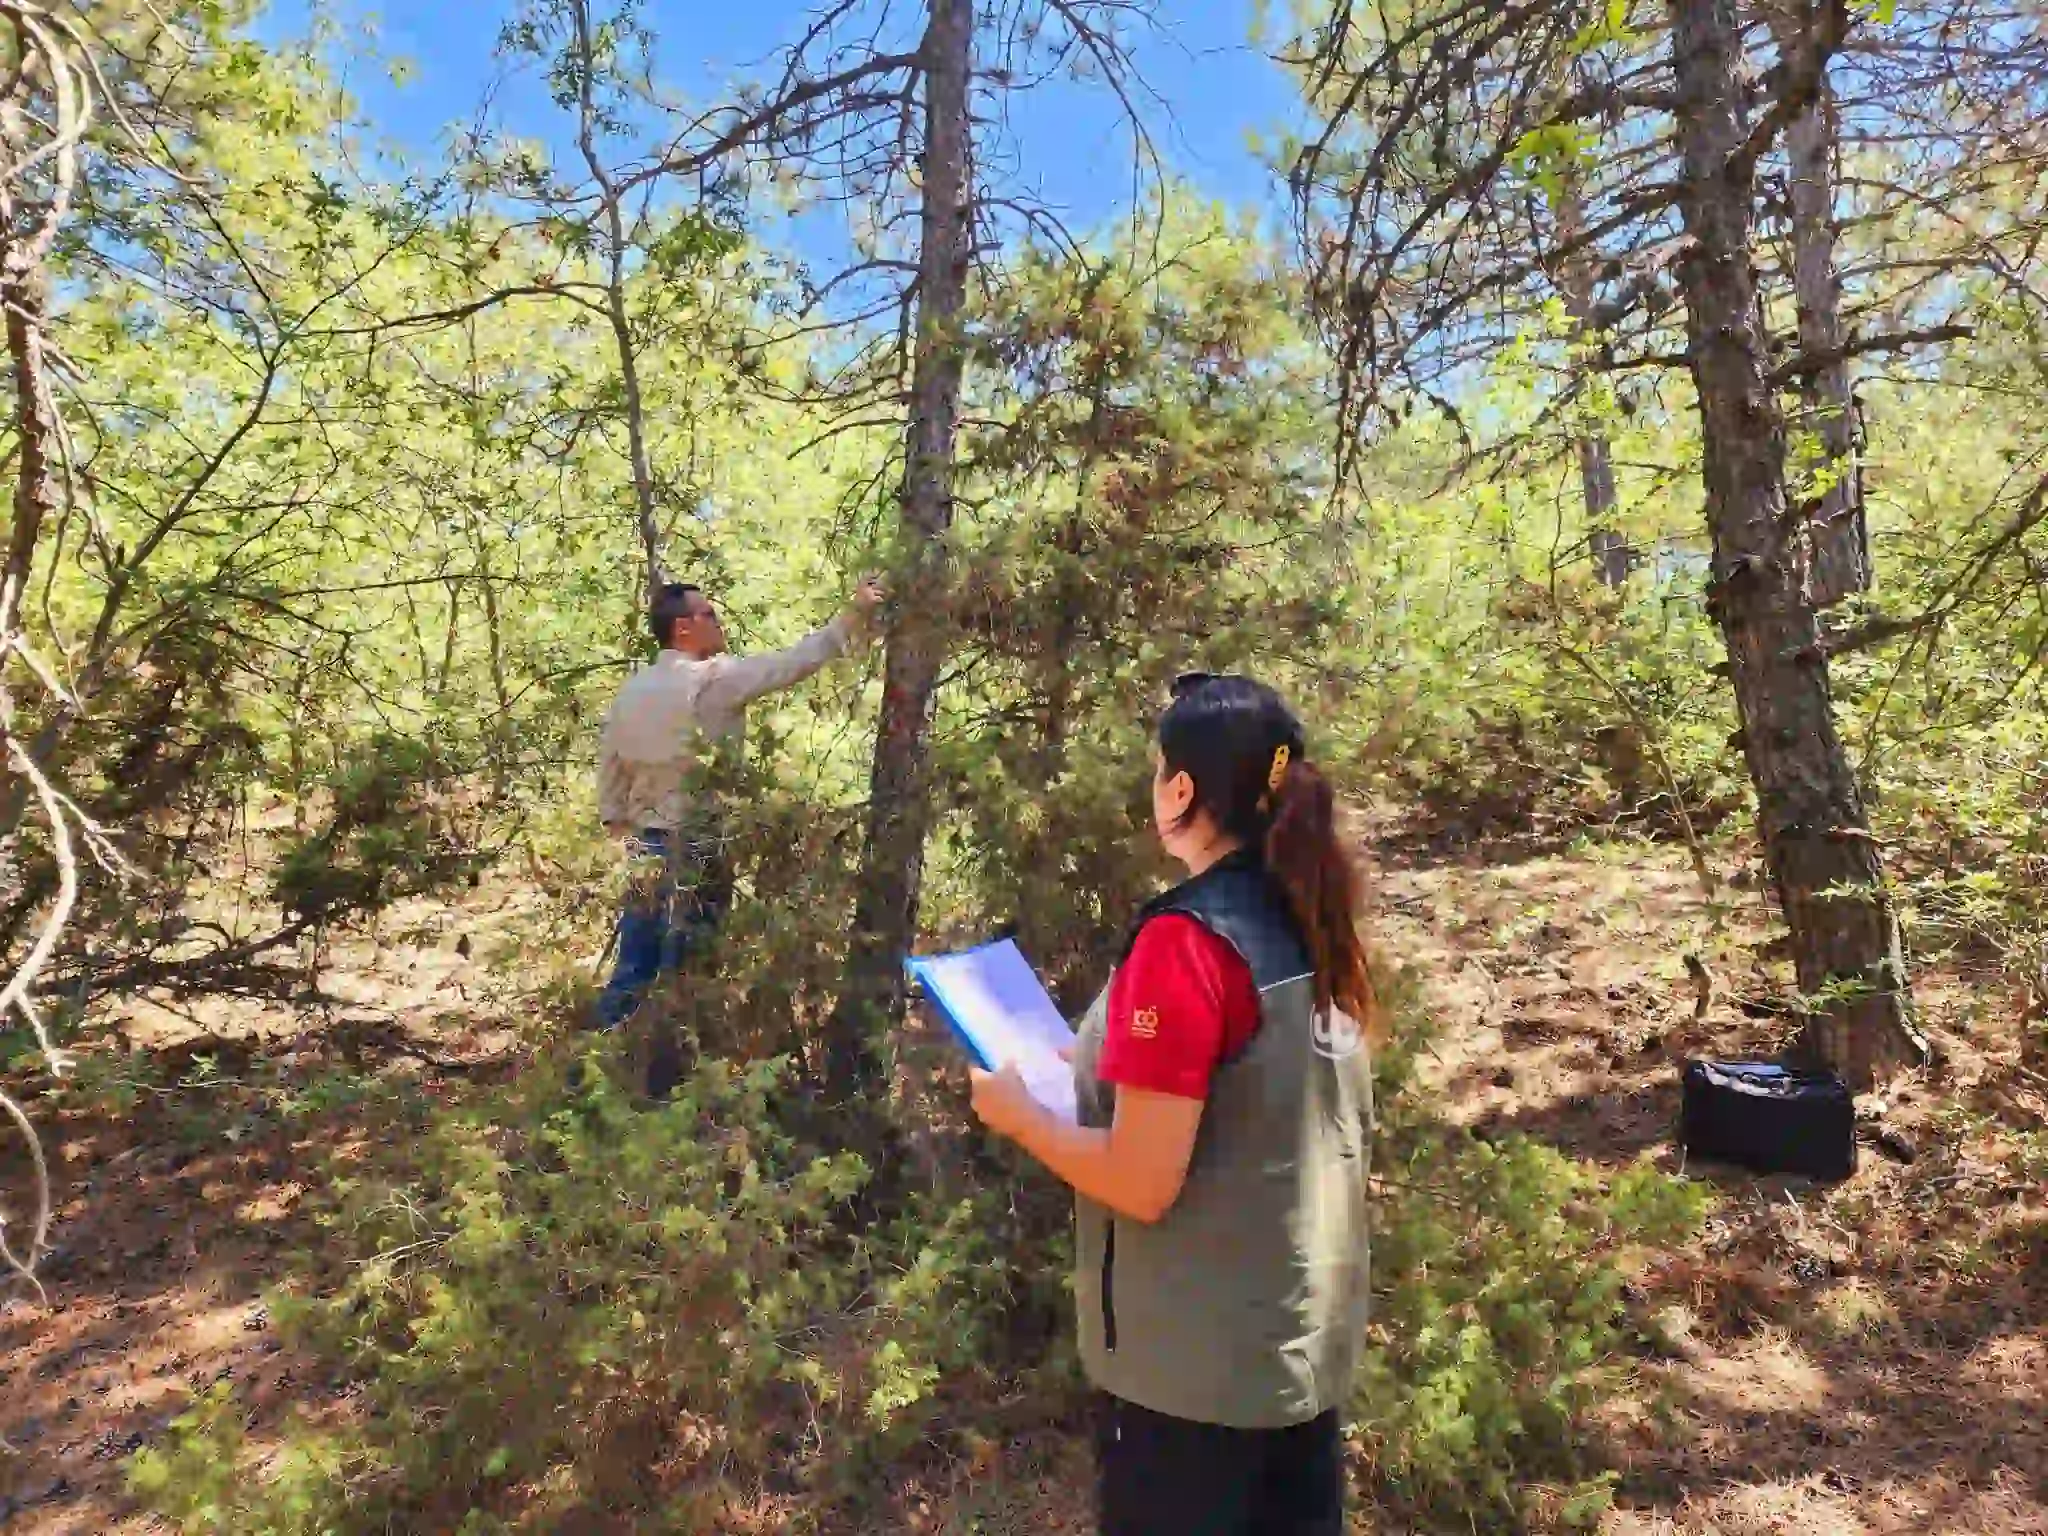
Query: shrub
(554, 1300)
(384, 839)
(1500, 1322)
(197, 1478)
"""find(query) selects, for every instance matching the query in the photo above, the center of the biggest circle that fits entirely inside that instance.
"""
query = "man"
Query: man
(657, 786)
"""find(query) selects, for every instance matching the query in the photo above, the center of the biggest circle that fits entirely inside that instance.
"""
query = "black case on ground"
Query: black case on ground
(1767, 1118)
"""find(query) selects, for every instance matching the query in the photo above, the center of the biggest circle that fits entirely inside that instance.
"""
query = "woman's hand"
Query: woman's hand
(1002, 1102)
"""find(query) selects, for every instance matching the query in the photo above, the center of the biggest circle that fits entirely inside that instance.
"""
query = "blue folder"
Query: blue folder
(994, 1002)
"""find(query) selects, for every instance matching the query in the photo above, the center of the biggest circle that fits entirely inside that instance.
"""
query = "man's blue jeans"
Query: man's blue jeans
(676, 897)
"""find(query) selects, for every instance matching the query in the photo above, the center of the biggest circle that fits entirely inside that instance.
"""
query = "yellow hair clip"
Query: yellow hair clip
(1278, 776)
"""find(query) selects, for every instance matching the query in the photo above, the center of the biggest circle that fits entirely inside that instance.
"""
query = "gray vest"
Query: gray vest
(1244, 1305)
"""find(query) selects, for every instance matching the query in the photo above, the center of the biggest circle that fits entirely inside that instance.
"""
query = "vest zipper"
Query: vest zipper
(1108, 1304)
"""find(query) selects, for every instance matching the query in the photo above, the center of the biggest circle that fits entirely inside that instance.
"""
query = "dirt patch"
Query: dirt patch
(180, 1157)
(163, 1247)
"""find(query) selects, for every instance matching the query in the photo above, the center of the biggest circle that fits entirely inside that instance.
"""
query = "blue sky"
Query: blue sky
(1214, 89)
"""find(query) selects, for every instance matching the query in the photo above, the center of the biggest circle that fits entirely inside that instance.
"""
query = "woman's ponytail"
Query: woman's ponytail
(1244, 749)
(1304, 854)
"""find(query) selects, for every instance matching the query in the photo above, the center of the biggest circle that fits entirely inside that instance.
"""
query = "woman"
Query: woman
(1220, 1158)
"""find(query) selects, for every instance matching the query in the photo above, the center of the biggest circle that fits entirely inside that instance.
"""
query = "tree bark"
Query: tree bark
(899, 800)
(1596, 455)
(610, 197)
(22, 290)
(25, 235)
(1596, 478)
(1817, 843)
(475, 501)
(1840, 537)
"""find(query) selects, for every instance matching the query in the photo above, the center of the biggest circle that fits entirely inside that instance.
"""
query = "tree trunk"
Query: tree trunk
(1596, 455)
(449, 636)
(609, 198)
(475, 502)
(22, 290)
(1840, 537)
(1822, 859)
(1596, 478)
(25, 234)
(636, 414)
(502, 737)
(899, 799)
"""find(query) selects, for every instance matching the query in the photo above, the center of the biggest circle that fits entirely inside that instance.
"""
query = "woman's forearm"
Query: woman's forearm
(1087, 1159)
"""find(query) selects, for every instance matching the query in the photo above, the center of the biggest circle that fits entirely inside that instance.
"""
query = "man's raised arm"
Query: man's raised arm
(740, 679)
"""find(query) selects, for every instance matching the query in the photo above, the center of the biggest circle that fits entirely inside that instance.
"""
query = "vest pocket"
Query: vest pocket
(1108, 1268)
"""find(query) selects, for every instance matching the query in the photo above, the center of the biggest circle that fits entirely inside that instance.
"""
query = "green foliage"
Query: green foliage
(1612, 27)
(1519, 703)
(357, 579)
(1553, 155)
(1500, 1327)
(1949, 726)
(383, 839)
(550, 1290)
(114, 1081)
(196, 1477)
(1137, 511)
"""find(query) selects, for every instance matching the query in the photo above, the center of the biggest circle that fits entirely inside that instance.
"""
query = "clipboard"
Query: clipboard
(1000, 1012)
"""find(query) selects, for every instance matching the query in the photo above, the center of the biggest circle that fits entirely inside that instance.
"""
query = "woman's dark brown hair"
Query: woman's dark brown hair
(1244, 751)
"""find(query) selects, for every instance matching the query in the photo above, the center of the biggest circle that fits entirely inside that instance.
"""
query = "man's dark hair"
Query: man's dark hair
(672, 602)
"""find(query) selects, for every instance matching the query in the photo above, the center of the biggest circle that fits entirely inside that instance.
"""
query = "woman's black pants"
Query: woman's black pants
(1164, 1476)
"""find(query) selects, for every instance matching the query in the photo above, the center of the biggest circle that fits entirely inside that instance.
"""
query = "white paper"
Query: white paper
(996, 1002)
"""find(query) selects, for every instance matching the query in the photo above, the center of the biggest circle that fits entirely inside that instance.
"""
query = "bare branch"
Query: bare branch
(1807, 364)
(1796, 87)
(773, 120)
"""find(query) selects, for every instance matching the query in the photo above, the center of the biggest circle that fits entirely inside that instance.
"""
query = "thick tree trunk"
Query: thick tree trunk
(1840, 538)
(899, 800)
(1822, 860)
(1596, 454)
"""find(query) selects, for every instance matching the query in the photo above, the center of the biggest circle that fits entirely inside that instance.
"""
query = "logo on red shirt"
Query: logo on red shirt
(1145, 1023)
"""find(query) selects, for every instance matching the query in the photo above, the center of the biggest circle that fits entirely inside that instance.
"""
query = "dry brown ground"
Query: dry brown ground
(1842, 1362)
(178, 1193)
(1870, 1359)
